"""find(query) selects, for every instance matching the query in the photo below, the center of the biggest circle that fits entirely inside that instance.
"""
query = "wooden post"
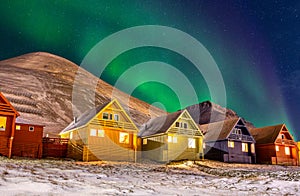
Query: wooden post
(12, 136)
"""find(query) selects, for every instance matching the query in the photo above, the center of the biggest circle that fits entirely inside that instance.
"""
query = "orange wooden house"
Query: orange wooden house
(27, 139)
(275, 145)
(8, 115)
(103, 133)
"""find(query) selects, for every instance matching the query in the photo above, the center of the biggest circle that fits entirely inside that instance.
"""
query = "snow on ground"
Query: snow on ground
(57, 177)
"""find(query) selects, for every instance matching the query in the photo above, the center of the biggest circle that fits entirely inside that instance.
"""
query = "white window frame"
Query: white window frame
(31, 128)
(100, 133)
(170, 139)
(191, 143)
(122, 139)
(93, 132)
(175, 140)
(118, 117)
(277, 148)
(245, 147)
(287, 150)
(105, 113)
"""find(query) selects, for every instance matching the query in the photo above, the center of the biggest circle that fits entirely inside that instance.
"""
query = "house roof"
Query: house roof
(266, 135)
(85, 117)
(158, 125)
(23, 121)
(218, 130)
(12, 109)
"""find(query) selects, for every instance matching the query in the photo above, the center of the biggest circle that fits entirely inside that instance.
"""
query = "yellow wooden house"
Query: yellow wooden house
(171, 137)
(104, 133)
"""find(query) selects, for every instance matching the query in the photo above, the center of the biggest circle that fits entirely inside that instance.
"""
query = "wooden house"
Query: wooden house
(229, 141)
(298, 144)
(171, 137)
(27, 139)
(8, 115)
(103, 133)
(275, 145)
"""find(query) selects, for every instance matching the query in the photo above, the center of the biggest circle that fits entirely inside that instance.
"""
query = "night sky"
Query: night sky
(256, 45)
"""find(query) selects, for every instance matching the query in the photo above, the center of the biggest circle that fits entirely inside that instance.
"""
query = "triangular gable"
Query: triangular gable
(87, 117)
(240, 124)
(186, 116)
(286, 133)
(6, 107)
(114, 105)
(266, 135)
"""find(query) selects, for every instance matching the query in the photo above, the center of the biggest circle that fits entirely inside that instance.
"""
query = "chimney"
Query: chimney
(75, 119)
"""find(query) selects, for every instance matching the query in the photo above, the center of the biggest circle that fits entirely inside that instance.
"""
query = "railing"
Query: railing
(285, 141)
(115, 124)
(184, 131)
(55, 140)
(77, 147)
(241, 137)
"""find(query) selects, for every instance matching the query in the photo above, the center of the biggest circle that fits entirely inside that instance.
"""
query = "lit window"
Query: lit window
(204, 145)
(71, 135)
(116, 117)
(177, 124)
(18, 127)
(100, 133)
(144, 141)
(185, 125)
(31, 128)
(277, 148)
(231, 144)
(287, 150)
(252, 148)
(170, 139)
(124, 138)
(2, 123)
(93, 132)
(174, 139)
(191, 143)
(105, 116)
(245, 147)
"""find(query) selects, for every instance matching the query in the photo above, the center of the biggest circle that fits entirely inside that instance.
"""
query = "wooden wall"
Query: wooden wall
(5, 136)
(55, 147)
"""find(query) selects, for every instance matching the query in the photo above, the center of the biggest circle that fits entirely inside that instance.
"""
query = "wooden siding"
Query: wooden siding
(5, 136)
(28, 143)
(55, 147)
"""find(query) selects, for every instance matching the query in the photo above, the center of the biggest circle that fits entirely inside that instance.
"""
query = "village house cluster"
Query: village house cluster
(108, 133)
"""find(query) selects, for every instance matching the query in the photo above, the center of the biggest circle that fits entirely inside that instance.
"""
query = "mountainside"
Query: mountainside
(40, 85)
(208, 112)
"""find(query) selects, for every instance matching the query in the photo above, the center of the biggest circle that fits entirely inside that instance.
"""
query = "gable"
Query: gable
(6, 108)
(240, 132)
(266, 135)
(284, 134)
(113, 115)
(185, 125)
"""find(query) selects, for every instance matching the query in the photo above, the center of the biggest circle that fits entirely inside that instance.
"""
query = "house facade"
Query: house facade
(229, 141)
(171, 137)
(27, 139)
(8, 115)
(275, 145)
(104, 133)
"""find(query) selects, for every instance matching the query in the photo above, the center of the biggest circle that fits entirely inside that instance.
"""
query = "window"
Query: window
(2, 123)
(252, 148)
(174, 139)
(31, 128)
(93, 132)
(105, 116)
(177, 124)
(145, 141)
(71, 135)
(124, 138)
(100, 133)
(18, 127)
(237, 131)
(191, 143)
(116, 117)
(277, 148)
(282, 136)
(231, 144)
(245, 147)
(204, 145)
(185, 125)
(170, 139)
(287, 150)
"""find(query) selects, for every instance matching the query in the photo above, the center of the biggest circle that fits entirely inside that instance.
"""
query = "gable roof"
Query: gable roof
(266, 135)
(85, 117)
(159, 124)
(9, 108)
(219, 130)
(23, 121)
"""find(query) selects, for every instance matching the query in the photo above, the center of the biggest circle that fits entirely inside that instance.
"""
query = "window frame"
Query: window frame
(116, 115)
(18, 127)
(31, 128)
(192, 143)
(287, 151)
(121, 135)
(102, 133)
(245, 147)
(230, 144)
(3, 128)
(94, 131)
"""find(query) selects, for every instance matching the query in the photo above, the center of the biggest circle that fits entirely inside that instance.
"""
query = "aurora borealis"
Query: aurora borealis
(255, 44)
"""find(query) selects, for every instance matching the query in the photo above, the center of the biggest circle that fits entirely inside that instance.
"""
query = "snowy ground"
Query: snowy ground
(54, 177)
